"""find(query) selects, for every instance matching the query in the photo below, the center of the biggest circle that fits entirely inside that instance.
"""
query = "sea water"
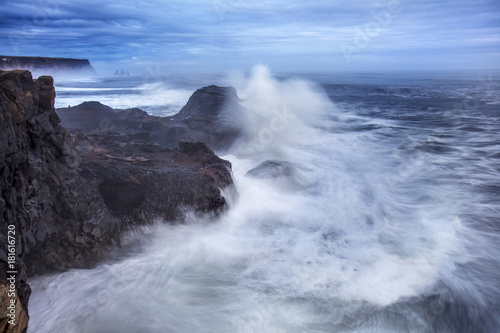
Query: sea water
(390, 221)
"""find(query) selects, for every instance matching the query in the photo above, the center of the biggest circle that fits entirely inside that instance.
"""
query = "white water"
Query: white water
(358, 229)
(158, 96)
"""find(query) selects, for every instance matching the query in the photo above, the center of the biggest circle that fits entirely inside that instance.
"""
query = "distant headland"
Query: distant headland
(48, 66)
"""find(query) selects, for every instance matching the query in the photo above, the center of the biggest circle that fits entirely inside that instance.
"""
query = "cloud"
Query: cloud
(223, 32)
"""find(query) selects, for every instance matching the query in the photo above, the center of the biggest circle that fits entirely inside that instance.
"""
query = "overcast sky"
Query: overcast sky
(287, 35)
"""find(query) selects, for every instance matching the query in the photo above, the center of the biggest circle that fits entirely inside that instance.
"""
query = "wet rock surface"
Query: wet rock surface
(285, 175)
(73, 193)
(272, 169)
(213, 115)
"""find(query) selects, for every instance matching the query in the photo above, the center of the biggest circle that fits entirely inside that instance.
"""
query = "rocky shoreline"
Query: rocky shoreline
(73, 191)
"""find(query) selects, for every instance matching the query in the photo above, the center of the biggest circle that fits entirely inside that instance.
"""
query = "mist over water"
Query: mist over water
(151, 95)
(383, 217)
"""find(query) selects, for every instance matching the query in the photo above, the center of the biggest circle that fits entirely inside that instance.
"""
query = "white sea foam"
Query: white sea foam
(366, 230)
(155, 98)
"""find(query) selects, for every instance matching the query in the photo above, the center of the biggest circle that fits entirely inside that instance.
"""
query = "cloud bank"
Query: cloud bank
(215, 35)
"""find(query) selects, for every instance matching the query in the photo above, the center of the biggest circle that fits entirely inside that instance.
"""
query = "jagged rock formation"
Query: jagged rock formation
(122, 72)
(48, 66)
(120, 185)
(32, 150)
(212, 115)
(76, 203)
(72, 198)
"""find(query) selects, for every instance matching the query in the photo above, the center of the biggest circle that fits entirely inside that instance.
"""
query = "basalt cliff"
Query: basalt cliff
(48, 66)
(72, 194)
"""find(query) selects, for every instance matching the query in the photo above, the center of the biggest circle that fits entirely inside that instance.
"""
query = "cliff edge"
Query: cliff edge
(69, 200)
(48, 66)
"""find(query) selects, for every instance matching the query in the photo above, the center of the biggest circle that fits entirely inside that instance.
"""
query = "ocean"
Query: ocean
(389, 222)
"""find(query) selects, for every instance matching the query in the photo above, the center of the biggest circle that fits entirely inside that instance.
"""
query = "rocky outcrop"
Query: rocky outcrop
(272, 169)
(283, 174)
(48, 66)
(71, 198)
(213, 115)
(35, 155)
(123, 184)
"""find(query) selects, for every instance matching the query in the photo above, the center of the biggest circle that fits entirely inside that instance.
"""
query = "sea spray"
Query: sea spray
(279, 114)
(381, 236)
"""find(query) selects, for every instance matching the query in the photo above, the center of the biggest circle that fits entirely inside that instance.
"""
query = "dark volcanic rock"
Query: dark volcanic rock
(272, 169)
(213, 115)
(88, 116)
(47, 66)
(35, 158)
(122, 197)
(284, 174)
(72, 197)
